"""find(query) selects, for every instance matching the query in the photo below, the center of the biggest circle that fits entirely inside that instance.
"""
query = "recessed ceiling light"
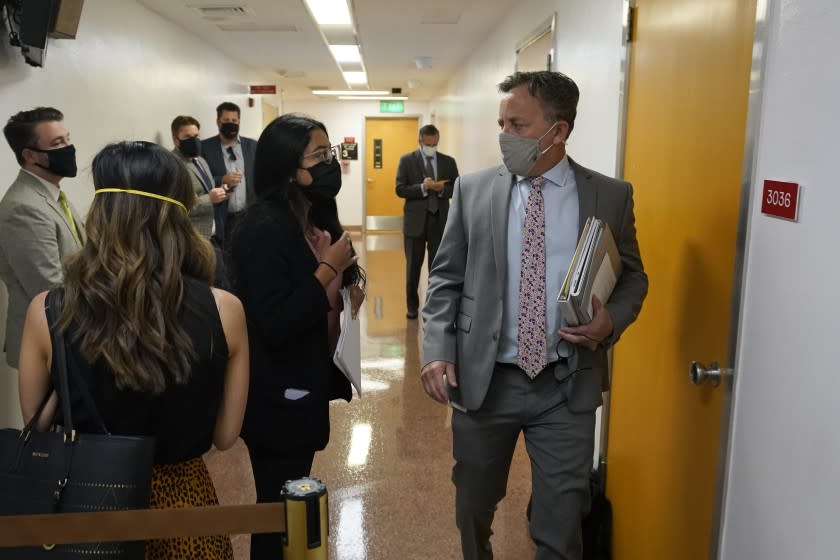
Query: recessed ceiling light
(355, 78)
(371, 98)
(349, 92)
(330, 12)
(346, 53)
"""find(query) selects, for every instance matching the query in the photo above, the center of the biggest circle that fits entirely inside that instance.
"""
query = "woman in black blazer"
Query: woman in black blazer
(287, 271)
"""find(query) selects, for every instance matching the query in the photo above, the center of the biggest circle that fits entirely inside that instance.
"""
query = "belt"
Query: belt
(505, 365)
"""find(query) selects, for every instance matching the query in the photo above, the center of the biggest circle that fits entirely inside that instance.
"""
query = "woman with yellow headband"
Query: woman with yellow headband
(161, 352)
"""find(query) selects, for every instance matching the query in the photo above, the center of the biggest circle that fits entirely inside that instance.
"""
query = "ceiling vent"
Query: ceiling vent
(225, 12)
(444, 16)
(291, 74)
(253, 26)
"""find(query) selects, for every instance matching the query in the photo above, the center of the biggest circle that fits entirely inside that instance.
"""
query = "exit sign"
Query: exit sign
(391, 107)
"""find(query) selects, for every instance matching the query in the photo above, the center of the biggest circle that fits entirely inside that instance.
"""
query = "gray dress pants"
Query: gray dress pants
(560, 447)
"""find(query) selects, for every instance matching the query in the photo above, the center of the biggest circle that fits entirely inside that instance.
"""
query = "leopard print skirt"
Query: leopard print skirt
(181, 485)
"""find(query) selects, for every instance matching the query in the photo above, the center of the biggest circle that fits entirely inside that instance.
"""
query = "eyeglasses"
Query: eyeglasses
(564, 350)
(324, 154)
(231, 153)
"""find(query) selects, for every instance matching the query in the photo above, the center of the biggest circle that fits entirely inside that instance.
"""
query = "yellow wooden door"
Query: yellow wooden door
(687, 108)
(398, 136)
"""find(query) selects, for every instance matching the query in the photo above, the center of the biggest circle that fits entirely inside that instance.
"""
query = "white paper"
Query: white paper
(348, 351)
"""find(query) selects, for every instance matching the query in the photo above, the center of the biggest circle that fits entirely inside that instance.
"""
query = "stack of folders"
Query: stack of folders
(594, 270)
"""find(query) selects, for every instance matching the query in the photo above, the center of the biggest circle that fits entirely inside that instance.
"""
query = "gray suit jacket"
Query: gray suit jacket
(410, 175)
(201, 215)
(464, 302)
(34, 238)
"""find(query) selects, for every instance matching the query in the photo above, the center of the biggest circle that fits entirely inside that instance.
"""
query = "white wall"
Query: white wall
(588, 48)
(127, 75)
(783, 488)
(347, 118)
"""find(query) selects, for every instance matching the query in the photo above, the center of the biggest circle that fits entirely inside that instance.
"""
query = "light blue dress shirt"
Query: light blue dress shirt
(561, 236)
(237, 200)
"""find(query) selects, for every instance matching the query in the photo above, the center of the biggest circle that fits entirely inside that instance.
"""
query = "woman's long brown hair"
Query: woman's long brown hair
(124, 290)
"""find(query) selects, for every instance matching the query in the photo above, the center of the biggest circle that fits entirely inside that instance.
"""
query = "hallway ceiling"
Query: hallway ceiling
(280, 36)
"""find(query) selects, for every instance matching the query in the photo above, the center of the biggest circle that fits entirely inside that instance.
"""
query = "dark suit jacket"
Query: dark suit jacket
(463, 313)
(410, 175)
(286, 308)
(211, 151)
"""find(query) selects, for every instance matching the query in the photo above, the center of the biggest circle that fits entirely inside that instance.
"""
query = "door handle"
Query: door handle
(700, 374)
(371, 180)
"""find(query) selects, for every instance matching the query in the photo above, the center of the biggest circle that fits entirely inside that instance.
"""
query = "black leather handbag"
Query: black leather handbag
(62, 471)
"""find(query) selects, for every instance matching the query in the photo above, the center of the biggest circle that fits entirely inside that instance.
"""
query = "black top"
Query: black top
(286, 308)
(183, 417)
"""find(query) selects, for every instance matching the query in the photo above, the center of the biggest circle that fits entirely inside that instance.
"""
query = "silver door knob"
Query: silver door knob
(700, 374)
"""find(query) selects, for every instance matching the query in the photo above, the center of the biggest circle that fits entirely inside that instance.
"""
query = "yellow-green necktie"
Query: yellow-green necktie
(65, 207)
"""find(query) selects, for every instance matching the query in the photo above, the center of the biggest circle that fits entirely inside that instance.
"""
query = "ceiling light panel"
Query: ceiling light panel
(330, 12)
(349, 92)
(346, 53)
(355, 78)
(352, 67)
(371, 98)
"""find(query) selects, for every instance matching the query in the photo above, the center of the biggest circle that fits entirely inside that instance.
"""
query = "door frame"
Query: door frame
(748, 191)
(380, 224)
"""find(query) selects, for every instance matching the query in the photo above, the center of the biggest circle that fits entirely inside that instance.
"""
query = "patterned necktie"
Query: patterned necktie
(532, 339)
(432, 198)
(65, 208)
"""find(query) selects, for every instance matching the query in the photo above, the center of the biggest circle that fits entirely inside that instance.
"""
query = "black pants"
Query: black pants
(271, 471)
(415, 251)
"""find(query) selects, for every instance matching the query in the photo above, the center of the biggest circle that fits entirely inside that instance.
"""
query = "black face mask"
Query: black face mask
(190, 147)
(61, 161)
(326, 180)
(229, 130)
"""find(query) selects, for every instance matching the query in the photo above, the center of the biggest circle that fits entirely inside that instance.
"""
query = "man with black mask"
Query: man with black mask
(231, 158)
(185, 136)
(38, 225)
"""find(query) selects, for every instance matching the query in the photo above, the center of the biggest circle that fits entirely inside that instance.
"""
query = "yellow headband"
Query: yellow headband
(144, 193)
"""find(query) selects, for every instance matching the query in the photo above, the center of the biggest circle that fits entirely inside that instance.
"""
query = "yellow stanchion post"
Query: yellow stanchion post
(307, 520)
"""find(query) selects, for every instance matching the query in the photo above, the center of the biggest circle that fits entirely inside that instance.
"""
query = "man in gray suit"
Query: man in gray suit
(208, 216)
(185, 136)
(425, 179)
(38, 225)
(495, 343)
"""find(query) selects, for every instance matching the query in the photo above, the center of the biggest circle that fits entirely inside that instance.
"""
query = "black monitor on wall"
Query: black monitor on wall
(36, 21)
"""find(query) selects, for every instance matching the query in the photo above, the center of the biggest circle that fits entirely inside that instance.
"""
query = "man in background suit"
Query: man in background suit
(496, 346)
(425, 179)
(231, 158)
(208, 216)
(38, 225)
